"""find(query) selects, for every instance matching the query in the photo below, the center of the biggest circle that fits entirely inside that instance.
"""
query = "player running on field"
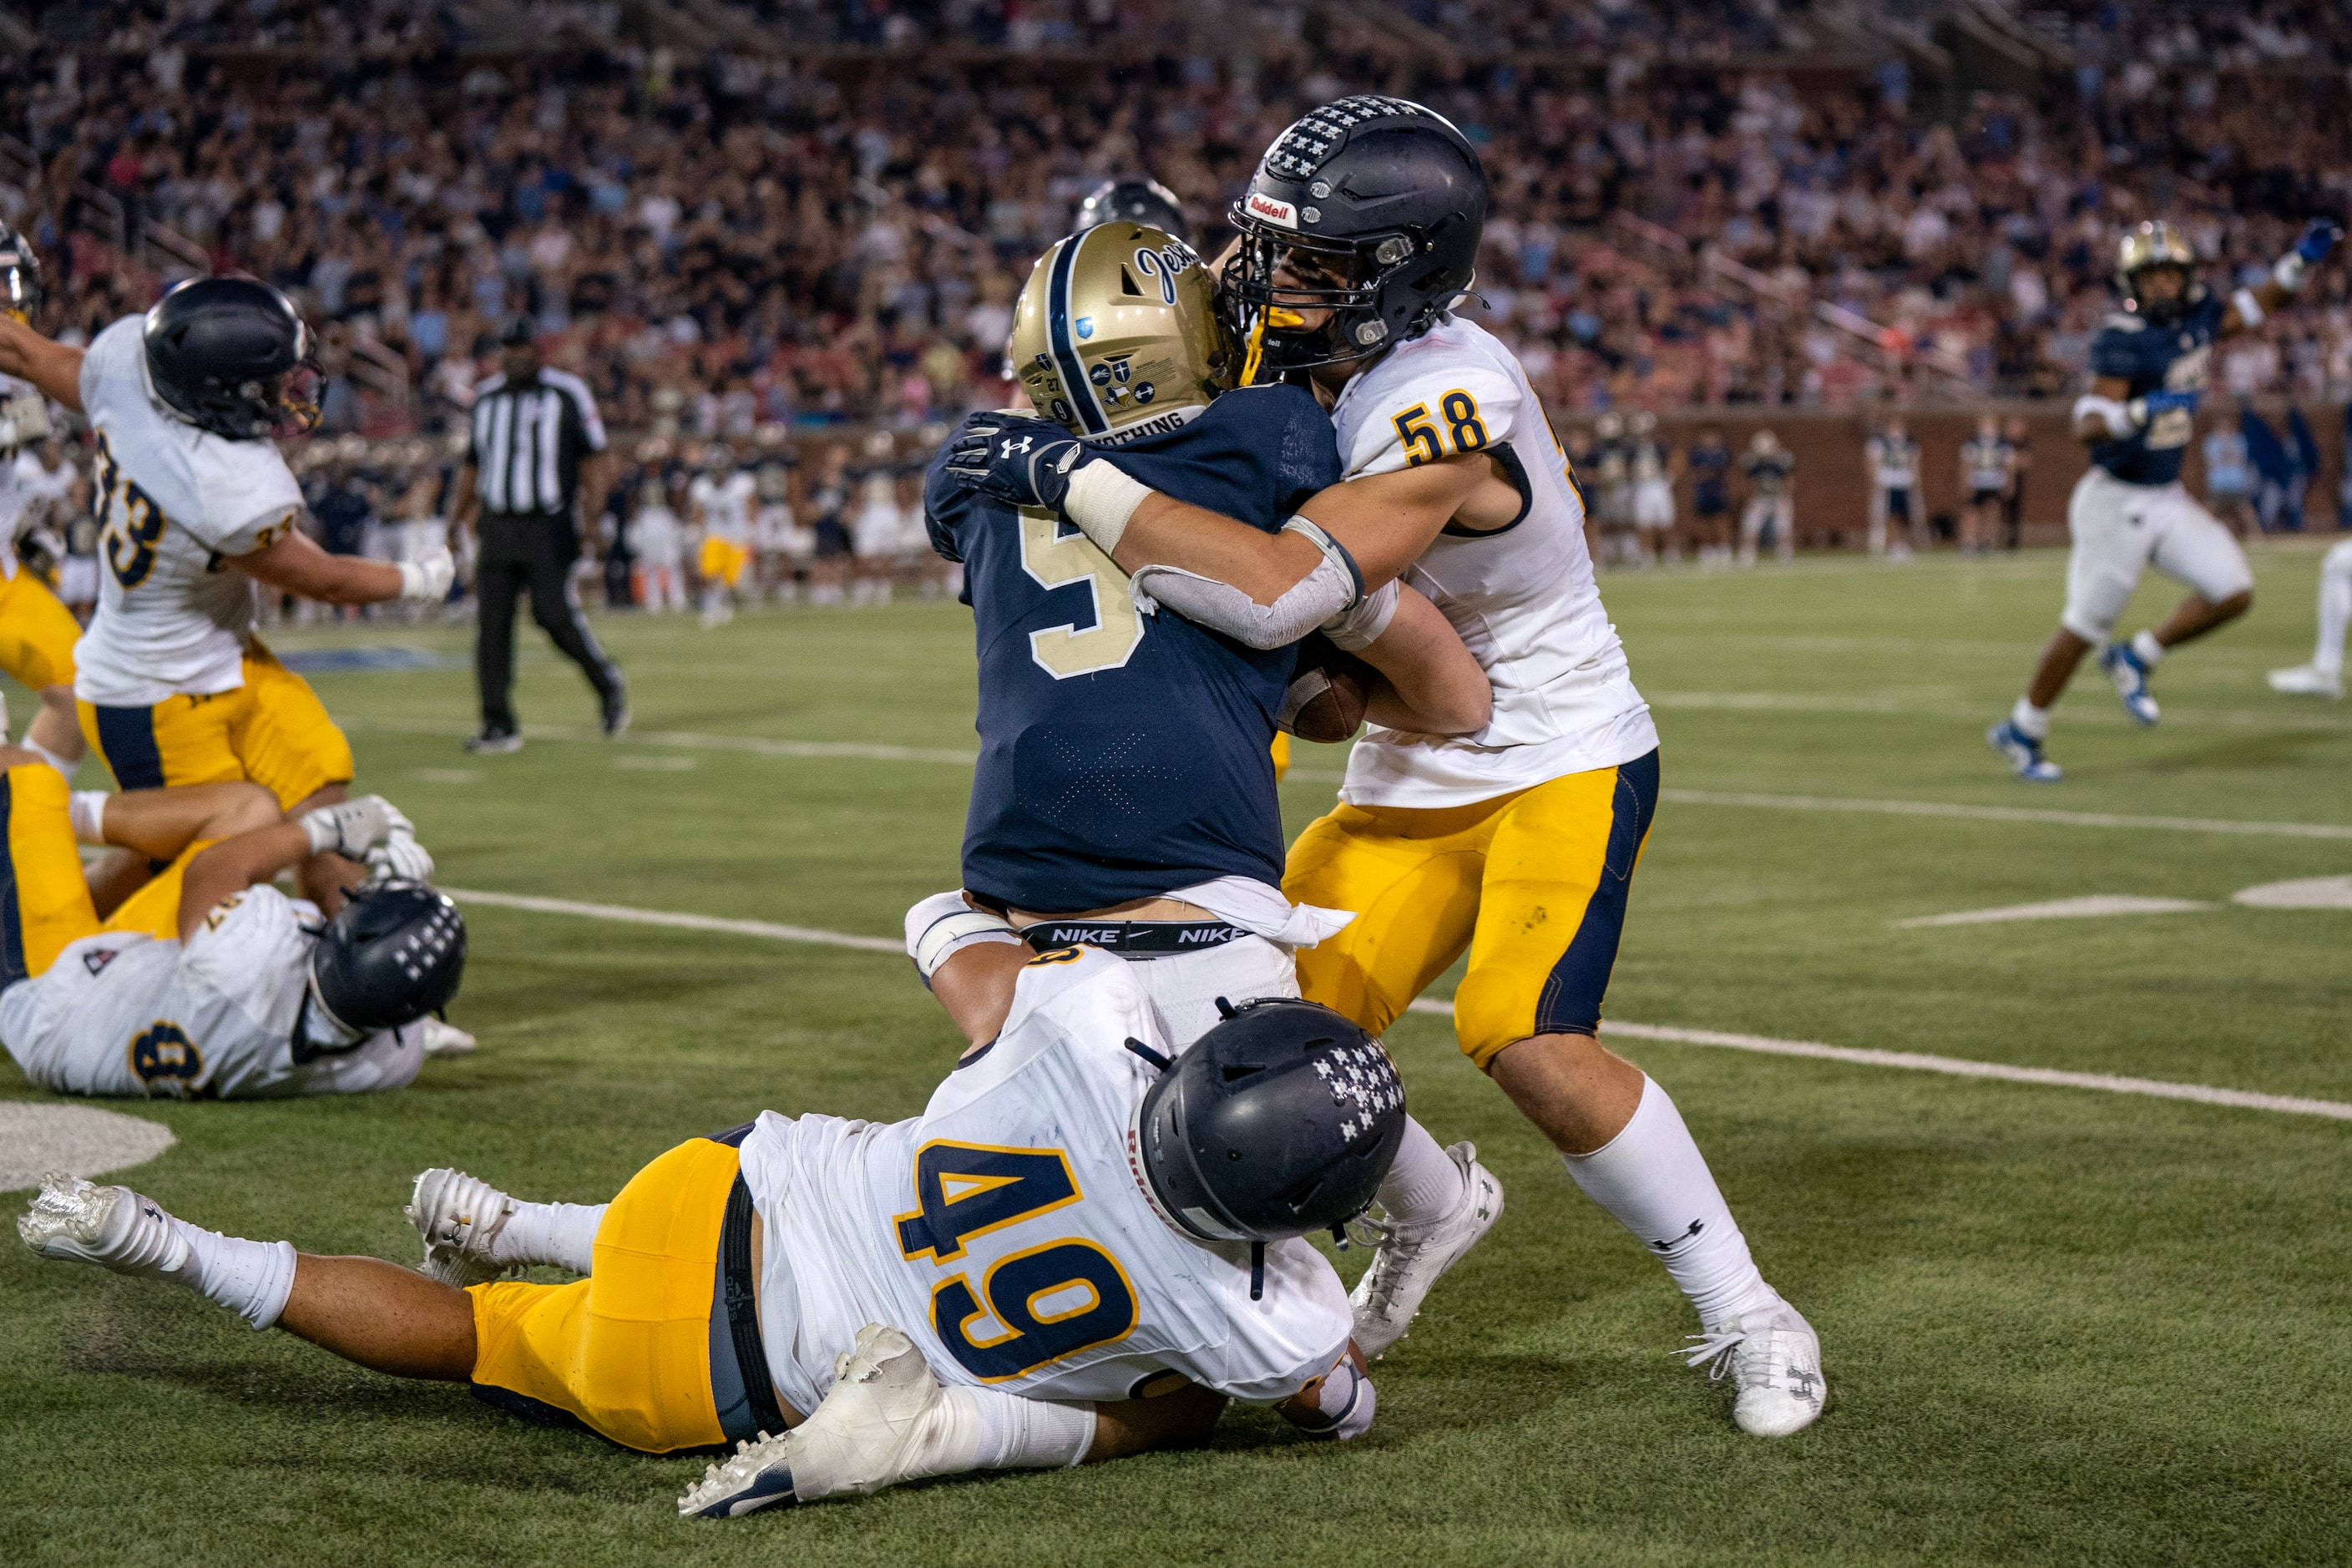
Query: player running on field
(1075, 1252)
(1125, 797)
(2129, 510)
(1359, 233)
(37, 633)
(197, 506)
(208, 981)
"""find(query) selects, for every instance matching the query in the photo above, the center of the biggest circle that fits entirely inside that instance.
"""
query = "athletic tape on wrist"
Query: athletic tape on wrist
(1358, 629)
(2289, 270)
(1100, 501)
(2115, 416)
(2248, 309)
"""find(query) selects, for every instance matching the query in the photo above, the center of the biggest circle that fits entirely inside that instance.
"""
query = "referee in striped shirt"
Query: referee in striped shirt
(538, 451)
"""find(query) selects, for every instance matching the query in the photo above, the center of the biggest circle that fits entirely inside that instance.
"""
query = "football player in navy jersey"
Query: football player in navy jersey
(2129, 510)
(1125, 795)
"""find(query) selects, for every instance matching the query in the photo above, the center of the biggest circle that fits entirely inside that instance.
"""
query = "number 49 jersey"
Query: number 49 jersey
(173, 502)
(1522, 597)
(1007, 1232)
(1122, 755)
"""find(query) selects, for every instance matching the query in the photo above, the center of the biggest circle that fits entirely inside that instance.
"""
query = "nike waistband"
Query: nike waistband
(1133, 939)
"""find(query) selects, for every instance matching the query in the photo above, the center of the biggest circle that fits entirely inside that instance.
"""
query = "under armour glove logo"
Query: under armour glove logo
(1022, 462)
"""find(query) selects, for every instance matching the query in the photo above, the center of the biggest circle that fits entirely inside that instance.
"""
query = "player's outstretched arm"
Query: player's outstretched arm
(357, 830)
(160, 823)
(294, 563)
(1430, 683)
(52, 367)
(2249, 307)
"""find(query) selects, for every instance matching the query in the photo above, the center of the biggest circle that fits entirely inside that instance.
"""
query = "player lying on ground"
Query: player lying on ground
(172, 686)
(1075, 1252)
(208, 980)
(2129, 510)
(1518, 843)
(1125, 797)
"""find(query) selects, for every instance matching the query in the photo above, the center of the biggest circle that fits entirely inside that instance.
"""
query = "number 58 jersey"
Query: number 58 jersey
(1008, 1234)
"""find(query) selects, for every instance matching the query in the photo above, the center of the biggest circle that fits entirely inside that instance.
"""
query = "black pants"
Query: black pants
(533, 553)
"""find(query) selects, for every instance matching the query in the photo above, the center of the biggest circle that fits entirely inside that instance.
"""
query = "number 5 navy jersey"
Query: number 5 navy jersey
(2156, 356)
(1125, 755)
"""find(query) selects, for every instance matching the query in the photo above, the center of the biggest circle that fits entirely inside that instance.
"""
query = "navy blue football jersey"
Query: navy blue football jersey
(1125, 755)
(2168, 356)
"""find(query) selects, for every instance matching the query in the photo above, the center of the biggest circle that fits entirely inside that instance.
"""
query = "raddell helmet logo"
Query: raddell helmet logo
(1283, 213)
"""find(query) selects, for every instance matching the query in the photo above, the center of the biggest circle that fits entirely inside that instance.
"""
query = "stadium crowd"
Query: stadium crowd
(813, 240)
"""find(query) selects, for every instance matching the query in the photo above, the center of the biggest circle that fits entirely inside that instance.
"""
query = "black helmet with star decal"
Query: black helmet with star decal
(1280, 1121)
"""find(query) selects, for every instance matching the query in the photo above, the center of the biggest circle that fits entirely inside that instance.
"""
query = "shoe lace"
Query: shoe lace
(1753, 1358)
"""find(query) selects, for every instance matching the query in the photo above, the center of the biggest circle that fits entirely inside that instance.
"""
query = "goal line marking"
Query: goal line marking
(1954, 1066)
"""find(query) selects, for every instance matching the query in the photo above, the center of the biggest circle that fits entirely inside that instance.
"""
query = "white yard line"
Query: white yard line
(2090, 906)
(762, 746)
(1952, 1066)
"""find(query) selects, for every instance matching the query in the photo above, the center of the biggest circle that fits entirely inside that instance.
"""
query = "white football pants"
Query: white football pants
(2120, 529)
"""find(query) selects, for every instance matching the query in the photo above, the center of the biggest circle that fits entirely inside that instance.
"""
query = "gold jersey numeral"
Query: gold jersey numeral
(1054, 561)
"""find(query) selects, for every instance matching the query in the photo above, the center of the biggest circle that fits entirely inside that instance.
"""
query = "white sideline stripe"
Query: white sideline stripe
(2088, 907)
(760, 746)
(1957, 1067)
(1950, 1065)
(2007, 813)
(679, 922)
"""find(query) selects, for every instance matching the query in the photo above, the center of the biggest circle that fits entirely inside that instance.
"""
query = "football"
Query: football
(1328, 688)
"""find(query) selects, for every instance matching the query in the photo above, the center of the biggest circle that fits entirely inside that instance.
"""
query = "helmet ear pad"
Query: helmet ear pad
(395, 951)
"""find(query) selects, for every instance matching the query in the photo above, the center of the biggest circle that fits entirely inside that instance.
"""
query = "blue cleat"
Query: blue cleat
(2022, 753)
(2130, 676)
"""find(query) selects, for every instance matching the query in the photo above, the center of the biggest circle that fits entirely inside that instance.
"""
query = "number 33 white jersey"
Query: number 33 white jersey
(1522, 597)
(173, 503)
(1005, 1233)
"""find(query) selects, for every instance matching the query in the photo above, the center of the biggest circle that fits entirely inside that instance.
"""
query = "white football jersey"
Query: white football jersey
(174, 502)
(23, 485)
(1006, 1232)
(726, 505)
(1522, 597)
(126, 1014)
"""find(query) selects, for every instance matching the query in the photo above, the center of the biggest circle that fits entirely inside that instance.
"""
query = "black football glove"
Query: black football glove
(1021, 462)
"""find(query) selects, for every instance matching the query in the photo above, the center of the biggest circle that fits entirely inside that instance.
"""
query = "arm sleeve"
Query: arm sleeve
(945, 506)
(1461, 406)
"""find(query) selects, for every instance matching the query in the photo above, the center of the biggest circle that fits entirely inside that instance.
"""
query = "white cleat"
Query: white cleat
(1411, 1259)
(885, 1421)
(114, 1227)
(459, 1217)
(2308, 680)
(1774, 1358)
(445, 1039)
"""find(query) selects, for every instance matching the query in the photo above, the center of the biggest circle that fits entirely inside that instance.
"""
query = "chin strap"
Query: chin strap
(1258, 1270)
(1257, 354)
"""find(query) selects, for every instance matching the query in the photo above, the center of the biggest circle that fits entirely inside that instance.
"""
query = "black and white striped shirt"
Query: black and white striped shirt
(529, 439)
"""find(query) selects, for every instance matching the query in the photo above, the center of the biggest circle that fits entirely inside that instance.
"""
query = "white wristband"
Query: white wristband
(412, 580)
(2248, 309)
(943, 925)
(2115, 416)
(1100, 501)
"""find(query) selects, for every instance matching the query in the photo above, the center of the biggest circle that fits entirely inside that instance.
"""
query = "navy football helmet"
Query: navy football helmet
(1281, 1121)
(233, 356)
(394, 952)
(1145, 201)
(1370, 209)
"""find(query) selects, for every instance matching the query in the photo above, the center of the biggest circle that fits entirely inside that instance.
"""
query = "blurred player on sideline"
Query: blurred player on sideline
(1519, 842)
(2018, 436)
(1892, 459)
(2129, 510)
(1709, 461)
(720, 498)
(1653, 465)
(656, 540)
(1769, 470)
(172, 687)
(1984, 479)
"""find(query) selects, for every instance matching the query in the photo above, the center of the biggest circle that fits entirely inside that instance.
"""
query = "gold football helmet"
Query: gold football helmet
(1117, 334)
(2154, 243)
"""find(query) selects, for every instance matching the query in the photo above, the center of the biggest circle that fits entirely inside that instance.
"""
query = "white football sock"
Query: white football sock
(251, 1278)
(2335, 608)
(993, 1430)
(2150, 650)
(1425, 1185)
(1654, 1181)
(561, 1235)
(2031, 722)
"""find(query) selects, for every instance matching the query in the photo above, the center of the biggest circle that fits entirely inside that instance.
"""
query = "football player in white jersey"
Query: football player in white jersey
(209, 982)
(1075, 1252)
(37, 633)
(1359, 233)
(720, 499)
(197, 506)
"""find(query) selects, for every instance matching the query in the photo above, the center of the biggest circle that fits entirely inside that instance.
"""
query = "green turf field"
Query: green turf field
(2060, 1326)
